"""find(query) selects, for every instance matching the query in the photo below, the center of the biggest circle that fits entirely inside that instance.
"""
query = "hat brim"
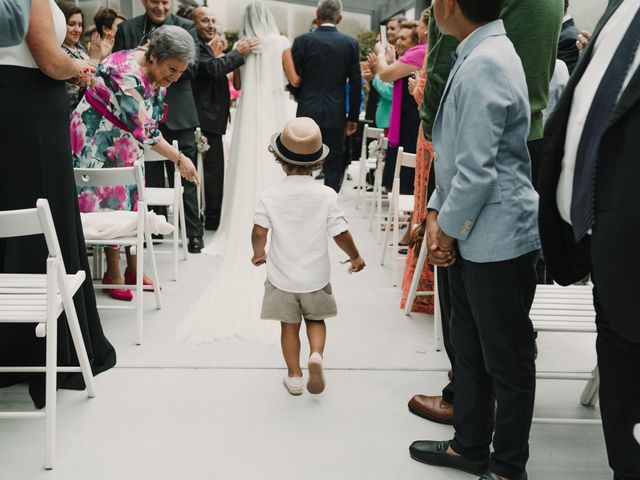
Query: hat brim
(274, 146)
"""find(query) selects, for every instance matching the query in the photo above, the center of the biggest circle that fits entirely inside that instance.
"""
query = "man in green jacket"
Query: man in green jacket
(533, 26)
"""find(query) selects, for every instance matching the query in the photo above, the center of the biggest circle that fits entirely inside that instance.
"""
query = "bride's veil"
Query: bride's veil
(258, 21)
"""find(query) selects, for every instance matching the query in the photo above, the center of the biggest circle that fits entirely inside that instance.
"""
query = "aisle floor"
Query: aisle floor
(171, 410)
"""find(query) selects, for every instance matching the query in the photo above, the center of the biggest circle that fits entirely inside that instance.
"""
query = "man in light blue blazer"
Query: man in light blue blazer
(483, 222)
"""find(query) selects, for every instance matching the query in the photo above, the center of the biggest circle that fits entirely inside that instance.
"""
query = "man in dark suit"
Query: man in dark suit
(589, 212)
(326, 59)
(182, 118)
(211, 92)
(567, 48)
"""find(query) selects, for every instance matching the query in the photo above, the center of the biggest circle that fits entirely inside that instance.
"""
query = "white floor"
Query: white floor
(171, 410)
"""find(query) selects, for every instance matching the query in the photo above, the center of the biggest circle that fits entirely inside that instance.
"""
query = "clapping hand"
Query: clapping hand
(98, 47)
(372, 61)
(442, 252)
(246, 45)
(413, 83)
(366, 72)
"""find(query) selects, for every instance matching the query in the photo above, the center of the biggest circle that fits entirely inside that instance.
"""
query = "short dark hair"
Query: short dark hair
(566, 5)
(299, 169)
(105, 18)
(69, 9)
(481, 11)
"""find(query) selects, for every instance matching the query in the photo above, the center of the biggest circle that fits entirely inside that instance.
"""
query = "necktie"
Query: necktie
(604, 101)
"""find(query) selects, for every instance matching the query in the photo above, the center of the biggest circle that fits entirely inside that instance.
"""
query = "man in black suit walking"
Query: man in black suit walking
(326, 59)
(211, 92)
(567, 49)
(182, 118)
(590, 211)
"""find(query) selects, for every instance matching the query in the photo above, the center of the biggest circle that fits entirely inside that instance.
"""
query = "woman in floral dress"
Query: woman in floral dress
(424, 154)
(120, 115)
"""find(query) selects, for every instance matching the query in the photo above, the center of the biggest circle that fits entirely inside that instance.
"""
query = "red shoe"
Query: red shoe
(124, 295)
(130, 279)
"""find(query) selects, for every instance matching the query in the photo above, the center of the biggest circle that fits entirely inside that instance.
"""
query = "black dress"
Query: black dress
(409, 126)
(36, 163)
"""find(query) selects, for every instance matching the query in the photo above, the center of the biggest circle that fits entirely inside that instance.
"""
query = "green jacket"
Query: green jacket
(533, 26)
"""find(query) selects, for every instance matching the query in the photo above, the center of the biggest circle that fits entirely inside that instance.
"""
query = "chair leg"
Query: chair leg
(139, 287)
(183, 229)
(589, 396)
(416, 276)
(76, 335)
(396, 243)
(385, 241)
(175, 240)
(51, 365)
(154, 268)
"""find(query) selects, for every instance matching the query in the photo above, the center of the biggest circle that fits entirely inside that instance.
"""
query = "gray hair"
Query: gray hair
(171, 41)
(329, 10)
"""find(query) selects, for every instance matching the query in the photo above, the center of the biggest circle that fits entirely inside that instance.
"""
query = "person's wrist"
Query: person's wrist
(179, 159)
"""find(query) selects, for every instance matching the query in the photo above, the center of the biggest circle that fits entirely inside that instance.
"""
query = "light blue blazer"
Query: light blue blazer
(484, 193)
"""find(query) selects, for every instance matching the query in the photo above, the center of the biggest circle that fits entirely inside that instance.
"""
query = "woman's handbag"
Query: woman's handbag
(14, 21)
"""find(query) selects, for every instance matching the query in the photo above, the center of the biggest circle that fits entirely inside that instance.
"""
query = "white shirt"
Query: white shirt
(20, 56)
(300, 213)
(603, 50)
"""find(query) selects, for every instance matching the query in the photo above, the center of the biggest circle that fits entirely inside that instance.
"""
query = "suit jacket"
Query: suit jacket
(181, 112)
(326, 59)
(611, 253)
(484, 193)
(211, 88)
(567, 49)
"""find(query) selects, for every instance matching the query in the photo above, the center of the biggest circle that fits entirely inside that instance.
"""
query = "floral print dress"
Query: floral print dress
(124, 91)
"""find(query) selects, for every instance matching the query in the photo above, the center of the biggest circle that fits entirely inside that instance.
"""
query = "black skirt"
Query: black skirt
(36, 163)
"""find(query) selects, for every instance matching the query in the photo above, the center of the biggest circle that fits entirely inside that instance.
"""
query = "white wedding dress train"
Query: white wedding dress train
(230, 305)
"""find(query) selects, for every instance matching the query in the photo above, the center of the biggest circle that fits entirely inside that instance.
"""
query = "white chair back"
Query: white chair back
(109, 177)
(31, 221)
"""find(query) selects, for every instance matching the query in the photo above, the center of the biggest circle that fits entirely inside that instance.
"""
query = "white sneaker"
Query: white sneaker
(316, 381)
(293, 384)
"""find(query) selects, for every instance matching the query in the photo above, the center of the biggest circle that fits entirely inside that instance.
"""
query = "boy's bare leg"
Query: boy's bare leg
(317, 334)
(290, 341)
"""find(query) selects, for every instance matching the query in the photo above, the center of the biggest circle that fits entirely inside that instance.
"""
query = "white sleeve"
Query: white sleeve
(336, 223)
(261, 217)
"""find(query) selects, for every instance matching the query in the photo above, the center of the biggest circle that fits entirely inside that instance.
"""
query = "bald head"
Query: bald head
(205, 22)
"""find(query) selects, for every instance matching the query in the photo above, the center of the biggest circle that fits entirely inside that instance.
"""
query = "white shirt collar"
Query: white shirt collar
(328, 25)
(464, 42)
(566, 17)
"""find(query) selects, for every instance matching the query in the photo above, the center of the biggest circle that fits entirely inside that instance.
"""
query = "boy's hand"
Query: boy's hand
(357, 264)
(259, 259)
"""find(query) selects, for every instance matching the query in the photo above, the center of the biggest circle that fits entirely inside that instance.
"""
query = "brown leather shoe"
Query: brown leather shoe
(434, 409)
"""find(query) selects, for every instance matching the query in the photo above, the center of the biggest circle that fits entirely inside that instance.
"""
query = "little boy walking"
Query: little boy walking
(300, 212)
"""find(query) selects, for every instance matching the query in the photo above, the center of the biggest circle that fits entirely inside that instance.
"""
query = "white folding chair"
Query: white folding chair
(377, 198)
(170, 197)
(413, 293)
(100, 177)
(40, 299)
(366, 163)
(397, 204)
(200, 167)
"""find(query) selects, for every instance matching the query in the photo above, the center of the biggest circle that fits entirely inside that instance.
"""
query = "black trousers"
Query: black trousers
(213, 166)
(494, 342)
(619, 365)
(445, 312)
(334, 164)
(536, 152)
(154, 177)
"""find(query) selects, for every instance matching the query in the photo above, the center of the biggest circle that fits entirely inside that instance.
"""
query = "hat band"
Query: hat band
(298, 157)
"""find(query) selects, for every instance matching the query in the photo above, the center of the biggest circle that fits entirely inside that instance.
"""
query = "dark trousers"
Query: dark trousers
(154, 177)
(536, 152)
(334, 164)
(213, 166)
(493, 338)
(619, 365)
(444, 300)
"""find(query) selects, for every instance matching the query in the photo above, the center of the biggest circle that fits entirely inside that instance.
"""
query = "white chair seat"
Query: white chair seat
(124, 241)
(406, 203)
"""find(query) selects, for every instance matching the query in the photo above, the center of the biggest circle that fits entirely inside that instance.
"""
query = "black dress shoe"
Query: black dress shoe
(195, 245)
(493, 476)
(435, 453)
(211, 226)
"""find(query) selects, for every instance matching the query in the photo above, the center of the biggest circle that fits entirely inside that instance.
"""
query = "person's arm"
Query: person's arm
(237, 79)
(259, 242)
(218, 68)
(184, 164)
(290, 69)
(345, 241)
(45, 49)
(355, 90)
(384, 89)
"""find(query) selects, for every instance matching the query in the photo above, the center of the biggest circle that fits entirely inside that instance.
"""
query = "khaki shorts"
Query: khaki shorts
(289, 307)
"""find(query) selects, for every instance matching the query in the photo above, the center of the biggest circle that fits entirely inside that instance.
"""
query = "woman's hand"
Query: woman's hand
(413, 83)
(372, 60)
(85, 76)
(188, 170)
(99, 48)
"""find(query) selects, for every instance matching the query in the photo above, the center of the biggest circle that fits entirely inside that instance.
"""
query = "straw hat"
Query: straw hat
(300, 143)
